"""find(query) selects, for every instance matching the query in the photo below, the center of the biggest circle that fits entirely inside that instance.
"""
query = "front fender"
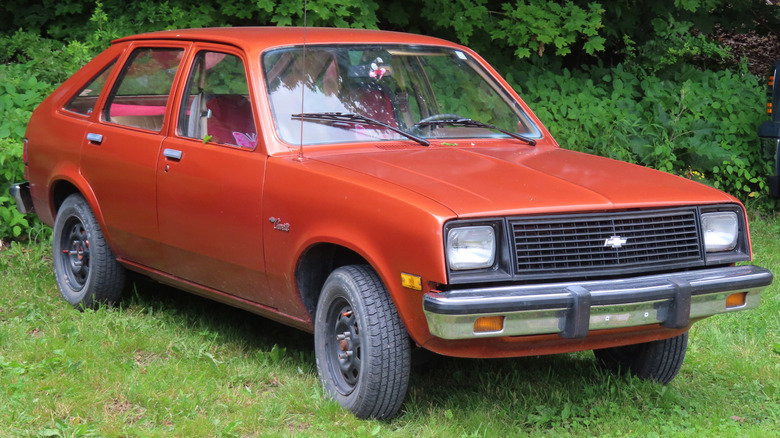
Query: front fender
(393, 229)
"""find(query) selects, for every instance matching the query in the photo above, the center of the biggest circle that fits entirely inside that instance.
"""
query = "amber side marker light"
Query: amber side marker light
(410, 281)
(487, 324)
(736, 300)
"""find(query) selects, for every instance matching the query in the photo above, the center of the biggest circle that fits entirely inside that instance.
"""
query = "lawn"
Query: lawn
(165, 363)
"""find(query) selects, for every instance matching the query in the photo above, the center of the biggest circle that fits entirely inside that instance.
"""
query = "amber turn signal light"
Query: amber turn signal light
(486, 324)
(736, 300)
(410, 281)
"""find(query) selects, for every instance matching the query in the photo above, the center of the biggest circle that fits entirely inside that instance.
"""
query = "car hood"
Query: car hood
(503, 180)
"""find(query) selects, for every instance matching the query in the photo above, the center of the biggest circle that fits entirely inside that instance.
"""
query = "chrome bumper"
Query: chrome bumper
(573, 309)
(21, 194)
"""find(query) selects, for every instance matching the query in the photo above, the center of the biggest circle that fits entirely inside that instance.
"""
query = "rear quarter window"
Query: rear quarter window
(84, 102)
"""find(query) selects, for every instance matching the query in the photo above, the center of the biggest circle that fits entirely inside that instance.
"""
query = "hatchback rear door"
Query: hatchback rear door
(120, 152)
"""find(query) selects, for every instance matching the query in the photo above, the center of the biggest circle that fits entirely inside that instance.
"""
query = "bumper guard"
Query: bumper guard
(573, 309)
(21, 194)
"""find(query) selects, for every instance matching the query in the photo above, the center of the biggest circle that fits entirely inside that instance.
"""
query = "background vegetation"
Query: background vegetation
(672, 84)
(664, 83)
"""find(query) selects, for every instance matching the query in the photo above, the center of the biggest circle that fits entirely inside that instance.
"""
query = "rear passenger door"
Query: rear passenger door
(120, 151)
(210, 179)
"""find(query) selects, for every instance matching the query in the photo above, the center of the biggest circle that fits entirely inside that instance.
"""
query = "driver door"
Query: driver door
(210, 181)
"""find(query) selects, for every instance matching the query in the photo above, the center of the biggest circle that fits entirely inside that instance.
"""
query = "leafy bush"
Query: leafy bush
(531, 26)
(12, 223)
(20, 92)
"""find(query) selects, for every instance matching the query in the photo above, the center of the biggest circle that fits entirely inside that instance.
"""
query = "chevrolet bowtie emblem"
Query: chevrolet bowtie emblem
(615, 242)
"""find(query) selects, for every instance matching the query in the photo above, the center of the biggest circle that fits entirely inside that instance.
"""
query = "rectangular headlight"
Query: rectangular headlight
(721, 230)
(471, 247)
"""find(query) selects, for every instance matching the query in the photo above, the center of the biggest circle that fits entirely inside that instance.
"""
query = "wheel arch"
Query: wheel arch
(315, 265)
(60, 191)
(63, 187)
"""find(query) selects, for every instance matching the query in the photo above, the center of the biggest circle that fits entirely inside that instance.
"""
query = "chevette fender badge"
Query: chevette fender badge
(615, 242)
(278, 225)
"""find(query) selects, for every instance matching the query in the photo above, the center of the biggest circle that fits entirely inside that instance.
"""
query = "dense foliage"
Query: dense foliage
(644, 82)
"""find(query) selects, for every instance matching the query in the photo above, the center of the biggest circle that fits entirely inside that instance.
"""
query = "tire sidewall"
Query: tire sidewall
(76, 207)
(341, 286)
(657, 361)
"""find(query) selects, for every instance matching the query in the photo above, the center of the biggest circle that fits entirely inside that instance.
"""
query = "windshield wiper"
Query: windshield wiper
(469, 123)
(357, 118)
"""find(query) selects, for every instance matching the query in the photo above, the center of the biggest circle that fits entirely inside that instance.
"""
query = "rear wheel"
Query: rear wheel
(85, 267)
(362, 348)
(658, 361)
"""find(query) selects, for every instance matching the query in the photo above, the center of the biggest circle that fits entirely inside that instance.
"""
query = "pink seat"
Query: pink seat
(375, 103)
(231, 121)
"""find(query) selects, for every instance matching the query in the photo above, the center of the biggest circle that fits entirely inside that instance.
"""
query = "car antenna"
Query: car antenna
(303, 85)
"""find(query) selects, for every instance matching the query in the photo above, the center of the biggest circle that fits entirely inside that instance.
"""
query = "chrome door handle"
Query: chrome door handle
(95, 138)
(173, 154)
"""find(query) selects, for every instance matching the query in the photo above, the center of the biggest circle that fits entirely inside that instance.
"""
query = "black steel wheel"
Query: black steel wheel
(659, 361)
(86, 269)
(362, 348)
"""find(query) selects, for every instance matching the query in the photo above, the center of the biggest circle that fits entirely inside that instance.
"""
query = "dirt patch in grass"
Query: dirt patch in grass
(118, 408)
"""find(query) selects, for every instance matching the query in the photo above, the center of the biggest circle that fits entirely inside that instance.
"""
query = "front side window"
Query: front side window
(141, 93)
(428, 92)
(84, 102)
(217, 107)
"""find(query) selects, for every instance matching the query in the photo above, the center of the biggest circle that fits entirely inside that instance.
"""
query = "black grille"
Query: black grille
(601, 244)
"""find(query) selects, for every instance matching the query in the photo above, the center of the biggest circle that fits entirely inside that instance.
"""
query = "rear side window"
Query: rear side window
(141, 93)
(84, 102)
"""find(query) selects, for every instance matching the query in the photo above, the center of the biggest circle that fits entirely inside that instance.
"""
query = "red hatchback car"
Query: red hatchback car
(384, 191)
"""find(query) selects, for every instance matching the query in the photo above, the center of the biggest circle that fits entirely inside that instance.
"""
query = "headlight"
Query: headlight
(721, 231)
(471, 247)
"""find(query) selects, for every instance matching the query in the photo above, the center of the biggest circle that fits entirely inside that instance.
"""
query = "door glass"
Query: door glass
(217, 107)
(141, 94)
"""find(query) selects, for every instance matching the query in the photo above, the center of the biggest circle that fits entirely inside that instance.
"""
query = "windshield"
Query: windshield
(414, 89)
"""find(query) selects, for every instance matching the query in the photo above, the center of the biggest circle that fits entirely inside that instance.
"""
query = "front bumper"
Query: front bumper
(21, 194)
(572, 309)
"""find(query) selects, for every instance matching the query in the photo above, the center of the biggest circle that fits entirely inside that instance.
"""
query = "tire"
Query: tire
(85, 267)
(361, 346)
(658, 361)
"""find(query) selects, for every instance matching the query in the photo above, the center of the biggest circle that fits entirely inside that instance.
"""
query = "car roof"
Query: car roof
(259, 38)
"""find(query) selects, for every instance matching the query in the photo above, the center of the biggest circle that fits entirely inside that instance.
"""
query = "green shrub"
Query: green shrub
(12, 223)
(20, 92)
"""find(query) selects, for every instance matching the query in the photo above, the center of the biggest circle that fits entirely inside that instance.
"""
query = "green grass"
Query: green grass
(166, 363)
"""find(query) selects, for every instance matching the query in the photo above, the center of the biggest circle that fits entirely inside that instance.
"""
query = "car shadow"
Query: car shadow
(234, 325)
(435, 381)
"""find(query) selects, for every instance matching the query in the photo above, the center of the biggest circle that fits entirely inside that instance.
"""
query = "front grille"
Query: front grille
(600, 244)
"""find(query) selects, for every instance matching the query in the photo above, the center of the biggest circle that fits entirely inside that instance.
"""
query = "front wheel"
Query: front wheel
(658, 361)
(362, 348)
(85, 267)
